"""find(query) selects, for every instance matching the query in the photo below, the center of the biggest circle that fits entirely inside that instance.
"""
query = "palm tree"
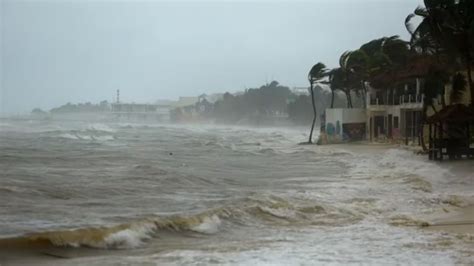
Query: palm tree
(357, 62)
(316, 74)
(372, 60)
(346, 77)
(335, 82)
(446, 30)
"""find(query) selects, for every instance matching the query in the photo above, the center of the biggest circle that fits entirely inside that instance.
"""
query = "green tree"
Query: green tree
(335, 81)
(447, 31)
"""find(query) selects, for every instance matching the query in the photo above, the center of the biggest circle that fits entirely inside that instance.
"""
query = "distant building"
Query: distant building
(300, 90)
(185, 101)
(140, 111)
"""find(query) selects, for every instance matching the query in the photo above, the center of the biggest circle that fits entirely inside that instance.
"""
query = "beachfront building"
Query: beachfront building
(343, 124)
(390, 115)
(394, 114)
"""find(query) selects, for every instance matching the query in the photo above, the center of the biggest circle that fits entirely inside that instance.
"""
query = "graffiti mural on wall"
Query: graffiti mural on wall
(354, 131)
(348, 132)
(330, 129)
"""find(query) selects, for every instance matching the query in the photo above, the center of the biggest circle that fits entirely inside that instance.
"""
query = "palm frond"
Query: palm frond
(421, 11)
(317, 72)
(408, 25)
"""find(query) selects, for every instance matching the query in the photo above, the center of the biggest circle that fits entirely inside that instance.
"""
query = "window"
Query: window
(395, 122)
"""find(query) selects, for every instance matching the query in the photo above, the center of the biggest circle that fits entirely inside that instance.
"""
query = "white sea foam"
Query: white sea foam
(398, 161)
(68, 136)
(209, 225)
(129, 238)
(85, 136)
(104, 138)
(101, 127)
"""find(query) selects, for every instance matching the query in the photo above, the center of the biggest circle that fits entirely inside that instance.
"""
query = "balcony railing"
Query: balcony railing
(397, 100)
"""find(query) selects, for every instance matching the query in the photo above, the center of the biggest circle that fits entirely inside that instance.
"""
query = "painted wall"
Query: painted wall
(354, 115)
(345, 124)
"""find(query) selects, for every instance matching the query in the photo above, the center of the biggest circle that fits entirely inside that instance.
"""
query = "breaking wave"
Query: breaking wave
(122, 236)
(404, 220)
(85, 136)
(101, 127)
(272, 211)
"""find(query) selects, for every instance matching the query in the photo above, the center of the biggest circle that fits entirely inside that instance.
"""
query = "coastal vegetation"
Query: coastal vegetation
(266, 105)
(88, 107)
(268, 100)
(439, 55)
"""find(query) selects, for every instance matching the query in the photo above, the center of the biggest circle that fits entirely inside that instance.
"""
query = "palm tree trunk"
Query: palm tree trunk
(332, 98)
(364, 94)
(469, 79)
(310, 140)
(443, 98)
(349, 99)
(421, 127)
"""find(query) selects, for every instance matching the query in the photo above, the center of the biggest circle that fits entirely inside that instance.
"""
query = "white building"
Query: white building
(394, 114)
(390, 114)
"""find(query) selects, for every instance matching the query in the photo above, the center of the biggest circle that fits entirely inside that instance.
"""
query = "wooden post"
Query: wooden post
(406, 129)
(468, 135)
(440, 137)
(435, 142)
(413, 127)
(430, 145)
(371, 128)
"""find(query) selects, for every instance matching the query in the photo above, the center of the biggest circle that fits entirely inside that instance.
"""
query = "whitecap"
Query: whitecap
(209, 225)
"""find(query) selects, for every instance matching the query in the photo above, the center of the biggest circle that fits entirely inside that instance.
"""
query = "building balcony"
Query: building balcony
(404, 101)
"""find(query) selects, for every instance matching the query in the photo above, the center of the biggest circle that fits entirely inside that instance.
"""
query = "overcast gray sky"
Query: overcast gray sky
(53, 52)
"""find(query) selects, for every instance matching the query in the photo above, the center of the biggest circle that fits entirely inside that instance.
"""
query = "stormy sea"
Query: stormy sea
(114, 193)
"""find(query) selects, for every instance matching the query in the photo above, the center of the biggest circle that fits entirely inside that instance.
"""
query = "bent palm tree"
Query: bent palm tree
(335, 81)
(316, 73)
(447, 30)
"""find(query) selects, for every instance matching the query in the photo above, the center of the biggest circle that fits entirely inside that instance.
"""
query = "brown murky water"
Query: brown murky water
(75, 192)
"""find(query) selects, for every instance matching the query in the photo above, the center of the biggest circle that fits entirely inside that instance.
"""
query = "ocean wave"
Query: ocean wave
(271, 211)
(122, 236)
(397, 161)
(5, 125)
(405, 220)
(88, 136)
(69, 136)
(100, 127)
(267, 151)
(418, 183)
(12, 189)
(209, 225)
